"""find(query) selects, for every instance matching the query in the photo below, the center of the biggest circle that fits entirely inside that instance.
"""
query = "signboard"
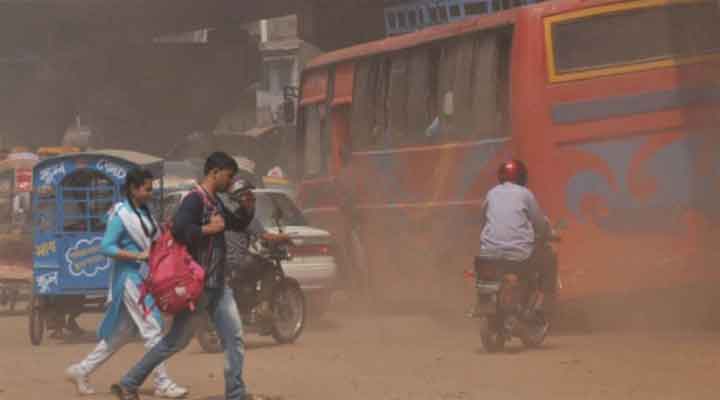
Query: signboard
(85, 257)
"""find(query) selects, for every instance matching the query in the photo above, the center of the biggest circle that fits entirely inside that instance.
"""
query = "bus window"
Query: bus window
(402, 20)
(455, 11)
(454, 85)
(458, 90)
(412, 17)
(392, 100)
(362, 116)
(476, 8)
(316, 140)
(392, 21)
(634, 37)
(473, 82)
(442, 13)
(397, 97)
(433, 14)
(421, 92)
(368, 118)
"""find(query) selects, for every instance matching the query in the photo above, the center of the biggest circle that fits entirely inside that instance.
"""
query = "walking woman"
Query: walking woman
(130, 231)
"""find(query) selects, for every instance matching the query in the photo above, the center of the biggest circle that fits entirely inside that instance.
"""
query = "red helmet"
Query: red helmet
(513, 171)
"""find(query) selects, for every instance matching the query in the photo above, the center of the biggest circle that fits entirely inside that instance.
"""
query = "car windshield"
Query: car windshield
(266, 203)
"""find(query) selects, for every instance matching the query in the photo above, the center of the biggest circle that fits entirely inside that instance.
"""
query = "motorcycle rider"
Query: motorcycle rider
(515, 232)
(244, 264)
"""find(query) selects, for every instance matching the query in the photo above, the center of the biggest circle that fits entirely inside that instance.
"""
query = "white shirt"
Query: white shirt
(513, 222)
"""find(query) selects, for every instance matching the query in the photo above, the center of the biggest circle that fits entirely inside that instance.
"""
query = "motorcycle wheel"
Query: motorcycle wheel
(493, 341)
(207, 338)
(289, 312)
(535, 334)
(36, 323)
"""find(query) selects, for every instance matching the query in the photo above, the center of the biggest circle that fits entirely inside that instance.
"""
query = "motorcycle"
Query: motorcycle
(288, 303)
(512, 311)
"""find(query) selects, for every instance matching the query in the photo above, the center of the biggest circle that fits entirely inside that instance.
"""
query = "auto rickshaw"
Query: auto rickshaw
(72, 194)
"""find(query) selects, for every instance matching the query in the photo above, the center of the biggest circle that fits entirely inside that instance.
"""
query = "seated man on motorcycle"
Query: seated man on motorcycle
(244, 264)
(515, 232)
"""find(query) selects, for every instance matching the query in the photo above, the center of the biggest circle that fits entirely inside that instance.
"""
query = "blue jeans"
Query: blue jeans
(220, 304)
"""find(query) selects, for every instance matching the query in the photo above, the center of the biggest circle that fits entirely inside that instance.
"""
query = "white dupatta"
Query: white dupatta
(131, 222)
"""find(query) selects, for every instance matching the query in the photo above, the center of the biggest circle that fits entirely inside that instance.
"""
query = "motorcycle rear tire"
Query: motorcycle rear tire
(493, 341)
(36, 320)
(535, 339)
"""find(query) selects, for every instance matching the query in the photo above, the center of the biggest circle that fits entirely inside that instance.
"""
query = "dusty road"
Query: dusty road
(397, 358)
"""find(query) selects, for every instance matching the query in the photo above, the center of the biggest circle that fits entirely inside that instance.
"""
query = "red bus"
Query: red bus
(614, 105)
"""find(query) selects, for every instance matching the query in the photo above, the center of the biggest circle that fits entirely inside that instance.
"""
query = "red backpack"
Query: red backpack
(174, 279)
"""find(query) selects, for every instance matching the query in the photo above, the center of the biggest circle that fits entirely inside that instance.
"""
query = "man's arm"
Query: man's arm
(538, 219)
(187, 223)
(483, 214)
(235, 221)
(257, 229)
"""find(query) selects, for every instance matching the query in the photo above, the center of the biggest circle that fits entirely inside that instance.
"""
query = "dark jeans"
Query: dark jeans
(544, 260)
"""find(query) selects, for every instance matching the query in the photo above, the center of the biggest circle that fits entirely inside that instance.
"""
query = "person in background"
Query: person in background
(515, 229)
(244, 264)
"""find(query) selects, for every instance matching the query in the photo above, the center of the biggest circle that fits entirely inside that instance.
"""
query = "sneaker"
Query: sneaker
(171, 391)
(75, 375)
(122, 393)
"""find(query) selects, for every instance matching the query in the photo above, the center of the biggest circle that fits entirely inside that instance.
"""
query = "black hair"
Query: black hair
(134, 179)
(220, 160)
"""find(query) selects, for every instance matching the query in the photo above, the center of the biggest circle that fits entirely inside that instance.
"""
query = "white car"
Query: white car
(312, 263)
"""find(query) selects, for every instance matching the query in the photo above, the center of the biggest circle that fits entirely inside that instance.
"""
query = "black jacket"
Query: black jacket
(208, 251)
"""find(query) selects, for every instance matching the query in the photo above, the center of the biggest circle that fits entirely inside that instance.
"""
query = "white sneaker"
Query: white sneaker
(75, 375)
(171, 391)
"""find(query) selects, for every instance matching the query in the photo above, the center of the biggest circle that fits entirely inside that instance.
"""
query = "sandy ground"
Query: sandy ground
(396, 358)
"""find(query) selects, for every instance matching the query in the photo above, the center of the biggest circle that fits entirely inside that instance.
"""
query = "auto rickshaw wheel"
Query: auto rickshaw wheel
(36, 320)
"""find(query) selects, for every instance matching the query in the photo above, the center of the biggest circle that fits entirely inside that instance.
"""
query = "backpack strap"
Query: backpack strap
(210, 206)
(144, 291)
(205, 197)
